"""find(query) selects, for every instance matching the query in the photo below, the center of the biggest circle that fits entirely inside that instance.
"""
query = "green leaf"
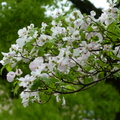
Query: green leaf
(36, 84)
(46, 80)
(70, 87)
(41, 51)
(117, 75)
(111, 26)
(101, 75)
(118, 66)
(8, 67)
(15, 91)
(89, 29)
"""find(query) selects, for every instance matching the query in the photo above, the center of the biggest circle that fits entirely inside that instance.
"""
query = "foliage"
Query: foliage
(95, 103)
(70, 55)
(16, 14)
(103, 104)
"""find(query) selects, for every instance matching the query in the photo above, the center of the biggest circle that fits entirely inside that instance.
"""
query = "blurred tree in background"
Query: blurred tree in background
(19, 13)
(85, 6)
(100, 102)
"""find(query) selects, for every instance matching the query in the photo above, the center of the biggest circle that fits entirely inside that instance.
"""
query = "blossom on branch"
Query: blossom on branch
(71, 54)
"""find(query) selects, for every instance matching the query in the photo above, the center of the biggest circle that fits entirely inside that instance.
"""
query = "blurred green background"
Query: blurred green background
(101, 102)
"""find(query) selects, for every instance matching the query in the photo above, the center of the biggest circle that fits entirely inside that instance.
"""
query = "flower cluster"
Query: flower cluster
(71, 54)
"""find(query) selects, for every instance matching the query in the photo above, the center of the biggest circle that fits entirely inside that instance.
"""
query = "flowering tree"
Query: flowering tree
(70, 55)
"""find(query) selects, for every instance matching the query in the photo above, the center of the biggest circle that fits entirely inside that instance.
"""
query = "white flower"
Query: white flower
(63, 64)
(10, 76)
(35, 34)
(63, 101)
(44, 25)
(23, 32)
(2, 62)
(71, 29)
(5, 59)
(43, 39)
(51, 64)
(31, 26)
(14, 47)
(28, 95)
(77, 13)
(35, 64)
(76, 35)
(5, 54)
(116, 51)
(68, 39)
(20, 42)
(58, 30)
(26, 81)
(108, 16)
(37, 72)
(57, 13)
(93, 46)
(76, 52)
(93, 13)
(64, 52)
(78, 23)
(18, 72)
(62, 67)
(107, 47)
(57, 97)
(25, 98)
